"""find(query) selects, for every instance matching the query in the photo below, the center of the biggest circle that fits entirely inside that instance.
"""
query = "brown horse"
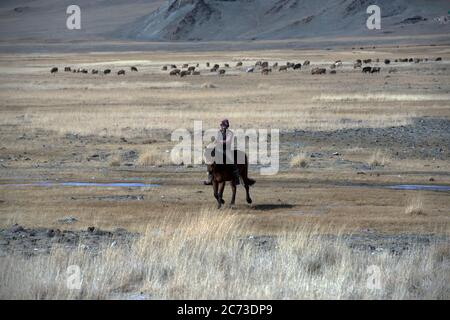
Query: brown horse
(224, 172)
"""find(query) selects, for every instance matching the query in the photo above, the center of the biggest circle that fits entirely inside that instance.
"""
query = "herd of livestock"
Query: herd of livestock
(260, 66)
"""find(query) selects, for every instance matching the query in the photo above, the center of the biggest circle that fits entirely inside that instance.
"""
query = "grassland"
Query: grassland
(344, 139)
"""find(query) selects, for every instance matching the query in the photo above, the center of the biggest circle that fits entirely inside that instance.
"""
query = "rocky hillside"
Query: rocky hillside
(283, 19)
(170, 20)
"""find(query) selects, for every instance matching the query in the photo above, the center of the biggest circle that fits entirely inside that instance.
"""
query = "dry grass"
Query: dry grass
(208, 86)
(378, 158)
(212, 256)
(415, 206)
(115, 161)
(380, 97)
(130, 121)
(154, 157)
(299, 161)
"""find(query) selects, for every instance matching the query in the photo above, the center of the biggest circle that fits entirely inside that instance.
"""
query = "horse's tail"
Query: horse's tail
(249, 181)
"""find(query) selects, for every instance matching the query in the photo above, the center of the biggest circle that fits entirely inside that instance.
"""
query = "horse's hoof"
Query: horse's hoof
(249, 201)
(222, 201)
(218, 206)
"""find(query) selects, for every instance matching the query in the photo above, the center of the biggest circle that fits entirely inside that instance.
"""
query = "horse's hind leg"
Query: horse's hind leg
(221, 188)
(216, 194)
(247, 191)
(233, 190)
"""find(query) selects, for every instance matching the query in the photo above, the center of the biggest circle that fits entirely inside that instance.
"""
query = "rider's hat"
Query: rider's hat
(225, 123)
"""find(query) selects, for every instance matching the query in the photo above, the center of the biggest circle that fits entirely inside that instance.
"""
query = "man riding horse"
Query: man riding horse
(223, 139)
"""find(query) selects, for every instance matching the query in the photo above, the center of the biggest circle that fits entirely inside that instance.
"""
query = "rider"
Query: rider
(224, 137)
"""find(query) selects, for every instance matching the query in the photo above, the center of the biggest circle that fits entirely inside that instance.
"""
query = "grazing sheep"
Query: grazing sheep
(338, 63)
(221, 72)
(266, 71)
(387, 61)
(227, 65)
(239, 64)
(107, 71)
(410, 60)
(94, 71)
(184, 73)
(404, 60)
(164, 68)
(258, 63)
(216, 66)
(319, 71)
(175, 72)
(250, 69)
(207, 64)
(438, 59)
(173, 66)
(359, 61)
(265, 65)
(357, 65)
(213, 70)
(275, 65)
(297, 66)
(121, 72)
(191, 69)
(54, 70)
(289, 64)
(134, 69)
(333, 72)
(67, 69)
(375, 69)
(84, 71)
(282, 68)
(306, 63)
(366, 61)
(367, 69)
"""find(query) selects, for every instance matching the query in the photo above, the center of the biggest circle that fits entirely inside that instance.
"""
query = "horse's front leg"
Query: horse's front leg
(247, 191)
(233, 190)
(216, 193)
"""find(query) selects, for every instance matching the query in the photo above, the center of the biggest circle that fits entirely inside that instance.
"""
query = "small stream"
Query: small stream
(424, 187)
(84, 184)
(416, 187)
